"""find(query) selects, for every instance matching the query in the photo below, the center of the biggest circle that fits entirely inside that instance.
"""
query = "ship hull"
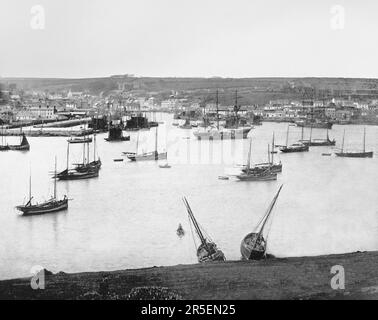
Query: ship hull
(230, 134)
(78, 175)
(294, 149)
(127, 138)
(257, 177)
(355, 154)
(250, 250)
(274, 168)
(74, 141)
(315, 125)
(49, 207)
(204, 255)
(147, 156)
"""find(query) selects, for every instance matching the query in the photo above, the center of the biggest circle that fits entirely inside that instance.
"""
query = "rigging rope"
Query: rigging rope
(194, 238)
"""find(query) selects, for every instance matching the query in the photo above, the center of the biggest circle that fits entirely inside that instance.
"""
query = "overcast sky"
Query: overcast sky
(229, 38)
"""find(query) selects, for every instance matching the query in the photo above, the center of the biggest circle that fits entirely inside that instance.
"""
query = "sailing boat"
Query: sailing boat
(249, 173)
(318, 142)
(207, 250)
(23, 146)
(154, 155)
(180, 231)
(93, 164)
(295, 147)
(85, 172)
(52, 205)
(355, 154)
(274, 167)
(253, 246)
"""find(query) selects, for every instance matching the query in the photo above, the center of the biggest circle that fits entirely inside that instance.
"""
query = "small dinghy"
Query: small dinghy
(180, 231)
(164, 166)
(117, 160)
(223, 178)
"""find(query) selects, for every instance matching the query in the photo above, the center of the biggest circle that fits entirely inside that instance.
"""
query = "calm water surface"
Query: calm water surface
(128, 216)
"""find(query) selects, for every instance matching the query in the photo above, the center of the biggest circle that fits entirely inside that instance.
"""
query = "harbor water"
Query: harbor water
(128, 216)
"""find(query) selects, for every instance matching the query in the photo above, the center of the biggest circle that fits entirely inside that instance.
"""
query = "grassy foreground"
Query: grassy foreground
(289, 278)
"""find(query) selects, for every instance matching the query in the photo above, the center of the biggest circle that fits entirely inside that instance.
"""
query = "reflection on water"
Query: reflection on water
(128, 216)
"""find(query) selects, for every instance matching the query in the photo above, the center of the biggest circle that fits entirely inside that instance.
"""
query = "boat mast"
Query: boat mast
(217, 105)
(195, 223)
(94, 147)
(270, 209)
(88, 152)
(272, 147)
(236, 108)
(342, 144)
(30, 192)
(137, 143)
(364, 140)
(68, 154)
(311, 133)
(156, 144)
(55, 181)
(287, 136)
(249, 154)
(269, 154)
(302, 133)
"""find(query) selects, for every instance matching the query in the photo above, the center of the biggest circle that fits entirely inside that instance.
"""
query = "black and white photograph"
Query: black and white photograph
(205, 152)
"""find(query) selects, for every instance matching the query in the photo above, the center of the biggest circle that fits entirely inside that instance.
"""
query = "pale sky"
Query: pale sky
(181, 38)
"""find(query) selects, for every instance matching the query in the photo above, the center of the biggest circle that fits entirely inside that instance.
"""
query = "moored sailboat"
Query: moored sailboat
(147, 156)
(355, 154)
(295, 147)
(263, 173)
(81, 171)
(49, 206)
(254, 244)
(207, 251)
(23, 146)
(275, 167)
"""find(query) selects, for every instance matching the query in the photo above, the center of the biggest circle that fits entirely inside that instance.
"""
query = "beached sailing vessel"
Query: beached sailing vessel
(254, 244)
(355, 154)
(207, 251)
(49, 206)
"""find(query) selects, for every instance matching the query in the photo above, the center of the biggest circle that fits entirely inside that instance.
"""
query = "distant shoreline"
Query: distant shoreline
(278, 278)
